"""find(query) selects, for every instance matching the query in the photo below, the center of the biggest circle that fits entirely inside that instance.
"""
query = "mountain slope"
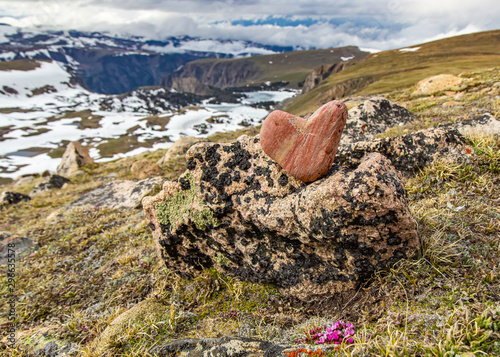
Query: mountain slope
(292, 67)
(113, 65)
(395, 69)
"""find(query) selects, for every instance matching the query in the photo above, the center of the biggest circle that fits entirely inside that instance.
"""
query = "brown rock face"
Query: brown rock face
(73, 158)
(305, 148)
(238, 211)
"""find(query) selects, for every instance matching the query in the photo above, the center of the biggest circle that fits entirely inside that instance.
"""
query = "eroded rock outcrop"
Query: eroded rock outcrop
(239, 211)
(73, 158)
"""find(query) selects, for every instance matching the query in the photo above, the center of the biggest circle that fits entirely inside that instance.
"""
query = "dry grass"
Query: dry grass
(94, 265)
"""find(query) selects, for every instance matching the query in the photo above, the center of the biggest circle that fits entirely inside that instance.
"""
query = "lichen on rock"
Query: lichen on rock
(182, 206)
(241, 213)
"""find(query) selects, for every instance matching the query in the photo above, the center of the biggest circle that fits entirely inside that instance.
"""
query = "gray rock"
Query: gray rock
(119, 194)
(226, 347)
(372, 117)
(10, 198)
(408, 153)
(12, 244)
(54, 181)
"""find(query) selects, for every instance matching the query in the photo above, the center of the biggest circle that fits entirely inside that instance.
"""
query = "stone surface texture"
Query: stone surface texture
(372, 117)
(73, 158)
(54, 181)
(179, 148)
(144, 168)
(119, 194)
(240, 212)
(22, 246)
(304, 148)
(227, 347)
(9, 198)
(437, 83)
(411, 152)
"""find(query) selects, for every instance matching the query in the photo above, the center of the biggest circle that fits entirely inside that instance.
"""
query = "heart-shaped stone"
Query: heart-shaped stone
(304, 148)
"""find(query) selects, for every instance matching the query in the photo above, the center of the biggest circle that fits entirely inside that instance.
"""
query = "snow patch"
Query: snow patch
(409, 49)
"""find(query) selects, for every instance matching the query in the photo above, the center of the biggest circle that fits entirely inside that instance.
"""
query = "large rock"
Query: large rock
(437, 83)
(179, 148)
(9, 198)
(304, 148)
(54, 181)
(411, 152)
(144, 168)
(231, 347)
(124, 194)
(73, 158)
(14, 247)
(372, 117)
(240, 212)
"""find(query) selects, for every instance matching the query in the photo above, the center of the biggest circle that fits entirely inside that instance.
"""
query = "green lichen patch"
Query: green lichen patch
(180, 208)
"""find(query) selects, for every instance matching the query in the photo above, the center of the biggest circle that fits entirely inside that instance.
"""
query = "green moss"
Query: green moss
(179, 208)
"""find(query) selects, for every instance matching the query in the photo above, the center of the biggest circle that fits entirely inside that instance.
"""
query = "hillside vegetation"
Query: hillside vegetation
(292, 67)
(387, 71)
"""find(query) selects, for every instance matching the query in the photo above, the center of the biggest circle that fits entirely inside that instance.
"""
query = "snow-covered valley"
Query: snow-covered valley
(42, 108)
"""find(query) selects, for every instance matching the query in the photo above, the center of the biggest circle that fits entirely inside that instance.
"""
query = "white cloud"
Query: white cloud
(368, 23)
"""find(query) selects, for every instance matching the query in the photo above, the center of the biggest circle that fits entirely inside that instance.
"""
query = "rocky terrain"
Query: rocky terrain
(290, 67)
(211, 248)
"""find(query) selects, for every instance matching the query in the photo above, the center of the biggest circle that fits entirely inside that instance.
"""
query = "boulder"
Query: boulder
(144, 168)
(411, 152)
(73, 158)
(372, 117)
(238, 211)
(179, 148)
(124, 194)
(12, 244)
(437, 83)
(54, 181)
(304, 148)
(484, 124)
(231, 347)
(9, 198)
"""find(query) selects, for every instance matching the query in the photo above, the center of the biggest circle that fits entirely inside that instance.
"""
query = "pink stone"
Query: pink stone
(305, 148)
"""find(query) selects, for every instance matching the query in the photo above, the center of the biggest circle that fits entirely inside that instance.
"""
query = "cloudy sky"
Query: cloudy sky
(376, 24)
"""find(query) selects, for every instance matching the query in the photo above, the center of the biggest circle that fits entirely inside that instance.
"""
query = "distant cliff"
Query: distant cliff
(200, 75)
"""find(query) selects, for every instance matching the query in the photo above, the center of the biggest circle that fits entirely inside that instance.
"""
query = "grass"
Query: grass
(292, 67)
(393, 70)
(96, 280)
(20, 65)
